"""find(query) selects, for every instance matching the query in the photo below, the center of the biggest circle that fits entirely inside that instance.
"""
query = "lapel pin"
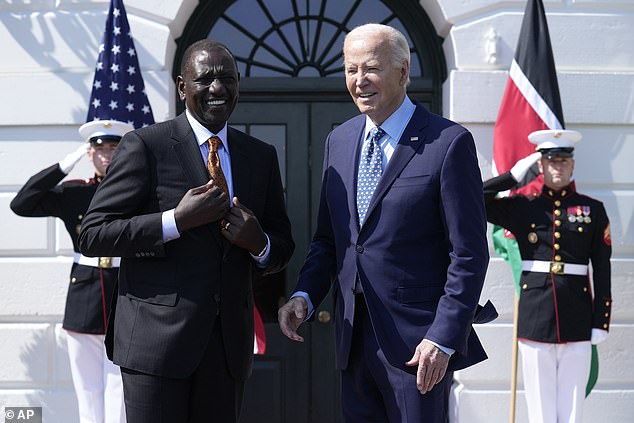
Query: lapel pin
(413, 139)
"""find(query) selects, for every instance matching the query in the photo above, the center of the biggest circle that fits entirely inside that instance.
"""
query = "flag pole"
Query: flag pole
(514, 360)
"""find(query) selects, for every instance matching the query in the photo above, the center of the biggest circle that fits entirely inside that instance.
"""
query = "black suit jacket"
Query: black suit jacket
(170, 293)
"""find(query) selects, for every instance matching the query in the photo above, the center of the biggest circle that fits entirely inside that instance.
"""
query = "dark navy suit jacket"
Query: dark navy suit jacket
(421, 254)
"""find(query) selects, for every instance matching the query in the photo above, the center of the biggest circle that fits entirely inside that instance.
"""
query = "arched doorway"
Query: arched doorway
(292, 93)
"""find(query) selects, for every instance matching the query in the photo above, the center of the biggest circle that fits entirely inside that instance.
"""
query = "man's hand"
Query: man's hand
(68, 163)
(291, 315)
(522, 166)
(598, 336)
(432, 364)
(201, 205)
(241, 228)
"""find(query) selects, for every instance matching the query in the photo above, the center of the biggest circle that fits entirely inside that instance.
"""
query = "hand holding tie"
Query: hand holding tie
(201, 205)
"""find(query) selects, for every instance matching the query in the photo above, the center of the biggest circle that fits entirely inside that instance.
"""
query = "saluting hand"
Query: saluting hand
(201, 205)
(432, 364)
(241, 228)
(291, 315)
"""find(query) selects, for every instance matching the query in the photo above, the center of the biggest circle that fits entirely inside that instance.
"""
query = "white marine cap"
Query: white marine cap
(98, 132)
(555, 142)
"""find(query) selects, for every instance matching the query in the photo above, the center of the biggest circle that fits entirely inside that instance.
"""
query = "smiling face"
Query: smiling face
(557, 171)
(376, 84)
(209, 86)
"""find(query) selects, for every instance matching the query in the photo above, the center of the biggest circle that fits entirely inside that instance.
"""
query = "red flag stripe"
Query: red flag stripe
(533, 98)
(516, 119)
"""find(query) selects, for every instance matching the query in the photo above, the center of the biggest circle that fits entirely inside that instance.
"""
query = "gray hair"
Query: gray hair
(395, 39)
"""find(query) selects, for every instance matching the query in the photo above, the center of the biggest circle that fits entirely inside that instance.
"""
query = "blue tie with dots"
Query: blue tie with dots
(370, 170)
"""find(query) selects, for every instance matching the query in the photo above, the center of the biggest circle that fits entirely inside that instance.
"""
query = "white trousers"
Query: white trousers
(555, 378)
(96, 379)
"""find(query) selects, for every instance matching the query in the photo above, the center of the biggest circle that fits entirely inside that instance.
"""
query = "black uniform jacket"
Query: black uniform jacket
(90, 288)
(170, 293)
(559, 227)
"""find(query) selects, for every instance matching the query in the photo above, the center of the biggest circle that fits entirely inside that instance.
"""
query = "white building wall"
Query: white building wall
(46, 69)
(591, 42)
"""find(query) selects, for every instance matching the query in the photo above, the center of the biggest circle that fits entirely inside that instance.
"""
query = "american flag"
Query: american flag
(118, 91)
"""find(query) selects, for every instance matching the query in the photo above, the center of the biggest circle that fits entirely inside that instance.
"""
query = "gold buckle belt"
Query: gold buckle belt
(105, 262)
(101, 262)
(557, 267)
(554, 267)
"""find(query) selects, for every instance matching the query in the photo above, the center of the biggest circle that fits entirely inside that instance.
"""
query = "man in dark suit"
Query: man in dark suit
(190, 245)
(401, 233)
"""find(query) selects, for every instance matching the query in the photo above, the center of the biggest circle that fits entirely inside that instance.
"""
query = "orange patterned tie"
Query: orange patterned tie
(213, 164)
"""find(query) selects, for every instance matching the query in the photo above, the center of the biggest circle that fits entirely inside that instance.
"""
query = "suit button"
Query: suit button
(359, 249)
(557, 212)
(557, 203)
(73, 280)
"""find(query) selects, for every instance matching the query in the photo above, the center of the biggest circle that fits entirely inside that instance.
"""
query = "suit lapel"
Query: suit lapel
(241, 170)
(241, 167)
(409, 144)
(188, 153)
(356, 134)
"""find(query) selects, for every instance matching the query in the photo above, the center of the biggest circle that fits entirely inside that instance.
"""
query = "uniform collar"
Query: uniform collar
(562, 193)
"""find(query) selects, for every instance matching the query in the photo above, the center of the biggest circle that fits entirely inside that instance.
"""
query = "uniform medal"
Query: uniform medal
(586, 214)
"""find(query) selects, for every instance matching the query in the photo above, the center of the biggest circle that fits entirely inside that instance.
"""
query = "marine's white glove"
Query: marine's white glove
(523, 165)
(598, 336)
(68, 163)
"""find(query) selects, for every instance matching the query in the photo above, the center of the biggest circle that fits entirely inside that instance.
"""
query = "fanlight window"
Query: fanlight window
(298, 38)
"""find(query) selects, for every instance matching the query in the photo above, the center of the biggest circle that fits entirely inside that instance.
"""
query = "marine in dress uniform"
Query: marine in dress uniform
(92, 280)
(561, 310)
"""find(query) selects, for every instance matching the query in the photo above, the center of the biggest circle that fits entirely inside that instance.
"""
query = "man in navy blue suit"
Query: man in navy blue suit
(401, 234)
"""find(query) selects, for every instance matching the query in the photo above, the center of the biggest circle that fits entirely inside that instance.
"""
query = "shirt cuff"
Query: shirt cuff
(305, 296)
(262, 261)
(170, 230)
(442, 348)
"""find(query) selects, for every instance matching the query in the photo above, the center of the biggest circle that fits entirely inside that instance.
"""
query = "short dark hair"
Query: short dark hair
(204, 44)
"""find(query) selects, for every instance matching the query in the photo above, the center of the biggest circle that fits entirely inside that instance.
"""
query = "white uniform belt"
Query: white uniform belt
(555, 267)
(103, 262)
